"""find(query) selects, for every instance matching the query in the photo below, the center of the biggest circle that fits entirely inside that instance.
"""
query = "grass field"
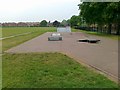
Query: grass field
(9, 31)
(49, 70)
(8, 43)
(0, 59)
(45, 70)
(115, 37)
(0, 65)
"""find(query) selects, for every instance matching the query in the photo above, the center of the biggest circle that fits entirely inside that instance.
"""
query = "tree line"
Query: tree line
(98, 16)
(43, 23)
(56, 23)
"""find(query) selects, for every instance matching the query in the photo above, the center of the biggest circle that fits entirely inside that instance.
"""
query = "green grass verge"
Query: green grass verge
(49, 70)
(11, 42)
(115, 37)
(0, 65)
(10, 31)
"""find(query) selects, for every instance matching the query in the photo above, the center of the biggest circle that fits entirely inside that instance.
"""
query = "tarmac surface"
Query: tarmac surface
(102, 56)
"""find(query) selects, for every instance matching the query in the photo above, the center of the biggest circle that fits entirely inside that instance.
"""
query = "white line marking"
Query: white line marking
(16, 35)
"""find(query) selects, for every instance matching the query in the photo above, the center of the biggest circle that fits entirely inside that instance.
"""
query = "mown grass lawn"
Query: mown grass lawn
(8, 31)
(115, 37)
(49, 70)
(0, 72)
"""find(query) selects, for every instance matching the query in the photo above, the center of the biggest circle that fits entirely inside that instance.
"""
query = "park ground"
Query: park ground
(45, 70)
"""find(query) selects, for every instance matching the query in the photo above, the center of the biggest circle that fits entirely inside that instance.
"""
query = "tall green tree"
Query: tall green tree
(74, 20)
(113, 16)
(64, 23)
(68, 21)
(43, 23)
(101, 13)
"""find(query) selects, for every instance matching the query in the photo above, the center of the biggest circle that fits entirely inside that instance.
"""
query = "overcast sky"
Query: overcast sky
(37, 10)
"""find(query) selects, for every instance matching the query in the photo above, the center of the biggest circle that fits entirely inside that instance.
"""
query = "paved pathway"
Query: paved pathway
(103, 56)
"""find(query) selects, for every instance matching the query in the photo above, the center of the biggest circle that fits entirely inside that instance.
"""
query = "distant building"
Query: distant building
(21, 24)
(36, 24)
(33, 24)
(9, 24)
